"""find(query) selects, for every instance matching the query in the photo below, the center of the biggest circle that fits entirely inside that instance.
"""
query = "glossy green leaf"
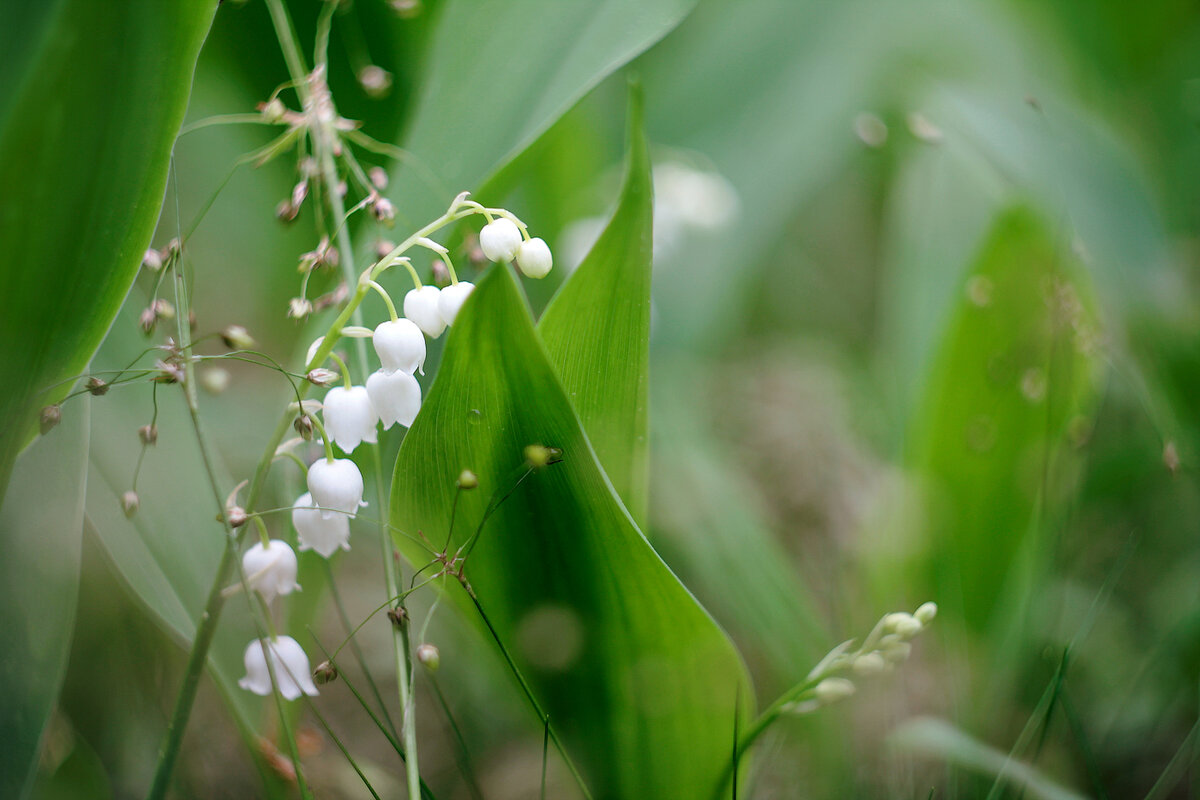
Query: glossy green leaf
(41, 525)
(1009, 395)
(597, 330)
(85, 137)
(640, 680)
(168, 552)
(500, 72)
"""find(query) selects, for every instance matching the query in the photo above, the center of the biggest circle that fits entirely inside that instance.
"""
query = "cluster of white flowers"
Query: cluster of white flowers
(391, 395)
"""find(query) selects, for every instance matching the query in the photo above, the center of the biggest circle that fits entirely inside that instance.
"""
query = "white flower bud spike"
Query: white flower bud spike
(534, 259)
(421, 306)
(288, 662)
(336, 486)
(396, 396)
(500, 239)
(316, 532)
(271, 570)
(349, 417)
(400, 345)
(452, 299)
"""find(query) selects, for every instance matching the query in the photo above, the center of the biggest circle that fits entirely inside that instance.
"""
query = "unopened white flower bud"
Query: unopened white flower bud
(534, 259)
(236, 338)
(336, 486)
(349, 417)
(896, 651)
(396, 396)
(926, 613)
(130, 503)
(299, 307)
(288, 662)
(321, 376)
(272, 111)
(421, 306)
(428, 655)
(452, 298)
(316, 532)
(271, 570)
(869, 664)
(152, 260)
(400, 345)
(902, 624)
(500, 239)
(831, 690)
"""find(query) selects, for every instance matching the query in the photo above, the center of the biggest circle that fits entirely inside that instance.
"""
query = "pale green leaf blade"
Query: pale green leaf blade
(597, 330)
(647, 698)
(41, 525)
(85, 138)
(527, 63)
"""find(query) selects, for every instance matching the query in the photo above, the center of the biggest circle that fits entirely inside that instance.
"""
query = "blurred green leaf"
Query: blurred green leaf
(641, 681)
(85, 137)
(168, 552)
(1009, 395)
(482, 103)
(41, 525)
(597, 330)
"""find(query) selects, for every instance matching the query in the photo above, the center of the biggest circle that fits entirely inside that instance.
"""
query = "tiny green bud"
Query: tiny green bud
(325, 673)
(272, 111)
(869, 664)
(50, 416)
(97, 387)
(902, 624)
(237, 338)
(398, 616)
(215, 380)
(130, 503)
(467, 480)
(428, 655)
(831, 690)
(537, 456)
(926, 613)
(304, 427)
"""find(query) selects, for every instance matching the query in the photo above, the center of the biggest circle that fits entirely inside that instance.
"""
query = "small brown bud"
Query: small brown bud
(168, 372)
(398, 616)
(97, 387)
(130, 503)
(334, 298)
(148, 434)
(299, 307)
(173, 248)
(237, 516)
(286, 211)
(375, 81)
(325, 673)
(304, 427)
(378, 177)
(192, 320)
(299, 192)
(383, 247)
(236, 338)
(51, 416)
(322, 376)
(441, 275)
(467, 480)
(152, 260)
(163, 309)
(383, 210)
(428, 655)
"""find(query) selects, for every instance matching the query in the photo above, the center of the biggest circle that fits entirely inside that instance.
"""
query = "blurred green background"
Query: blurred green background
(925, 327)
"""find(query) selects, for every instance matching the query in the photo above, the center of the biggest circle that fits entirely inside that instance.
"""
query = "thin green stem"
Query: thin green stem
(387, 299)
(347, 381)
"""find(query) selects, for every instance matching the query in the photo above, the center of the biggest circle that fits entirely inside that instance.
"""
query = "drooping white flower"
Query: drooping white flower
(400, 345)
(452, 299)
(396, 396)
(500, 239)
(316, 532)
(534, 258)
(288, 662)
(271, 569)
(421, 306)
(336, 486)
(349, 417)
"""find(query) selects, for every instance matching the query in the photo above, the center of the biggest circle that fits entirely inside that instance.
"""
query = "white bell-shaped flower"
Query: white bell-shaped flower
(500, 239)
(421, 306)
(271, 569)
(534, 259)
(316, 532)
(400, 345)
(452, 299)
(336, 486)
(288, 662)
(349, 417)
(396, 395)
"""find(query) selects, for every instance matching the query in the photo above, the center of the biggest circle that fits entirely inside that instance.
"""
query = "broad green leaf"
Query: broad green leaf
(597, 330)
(168, 552)
(641, 681)
(85, 139)
(1010, 393)
(41, 525)
(500, 72)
